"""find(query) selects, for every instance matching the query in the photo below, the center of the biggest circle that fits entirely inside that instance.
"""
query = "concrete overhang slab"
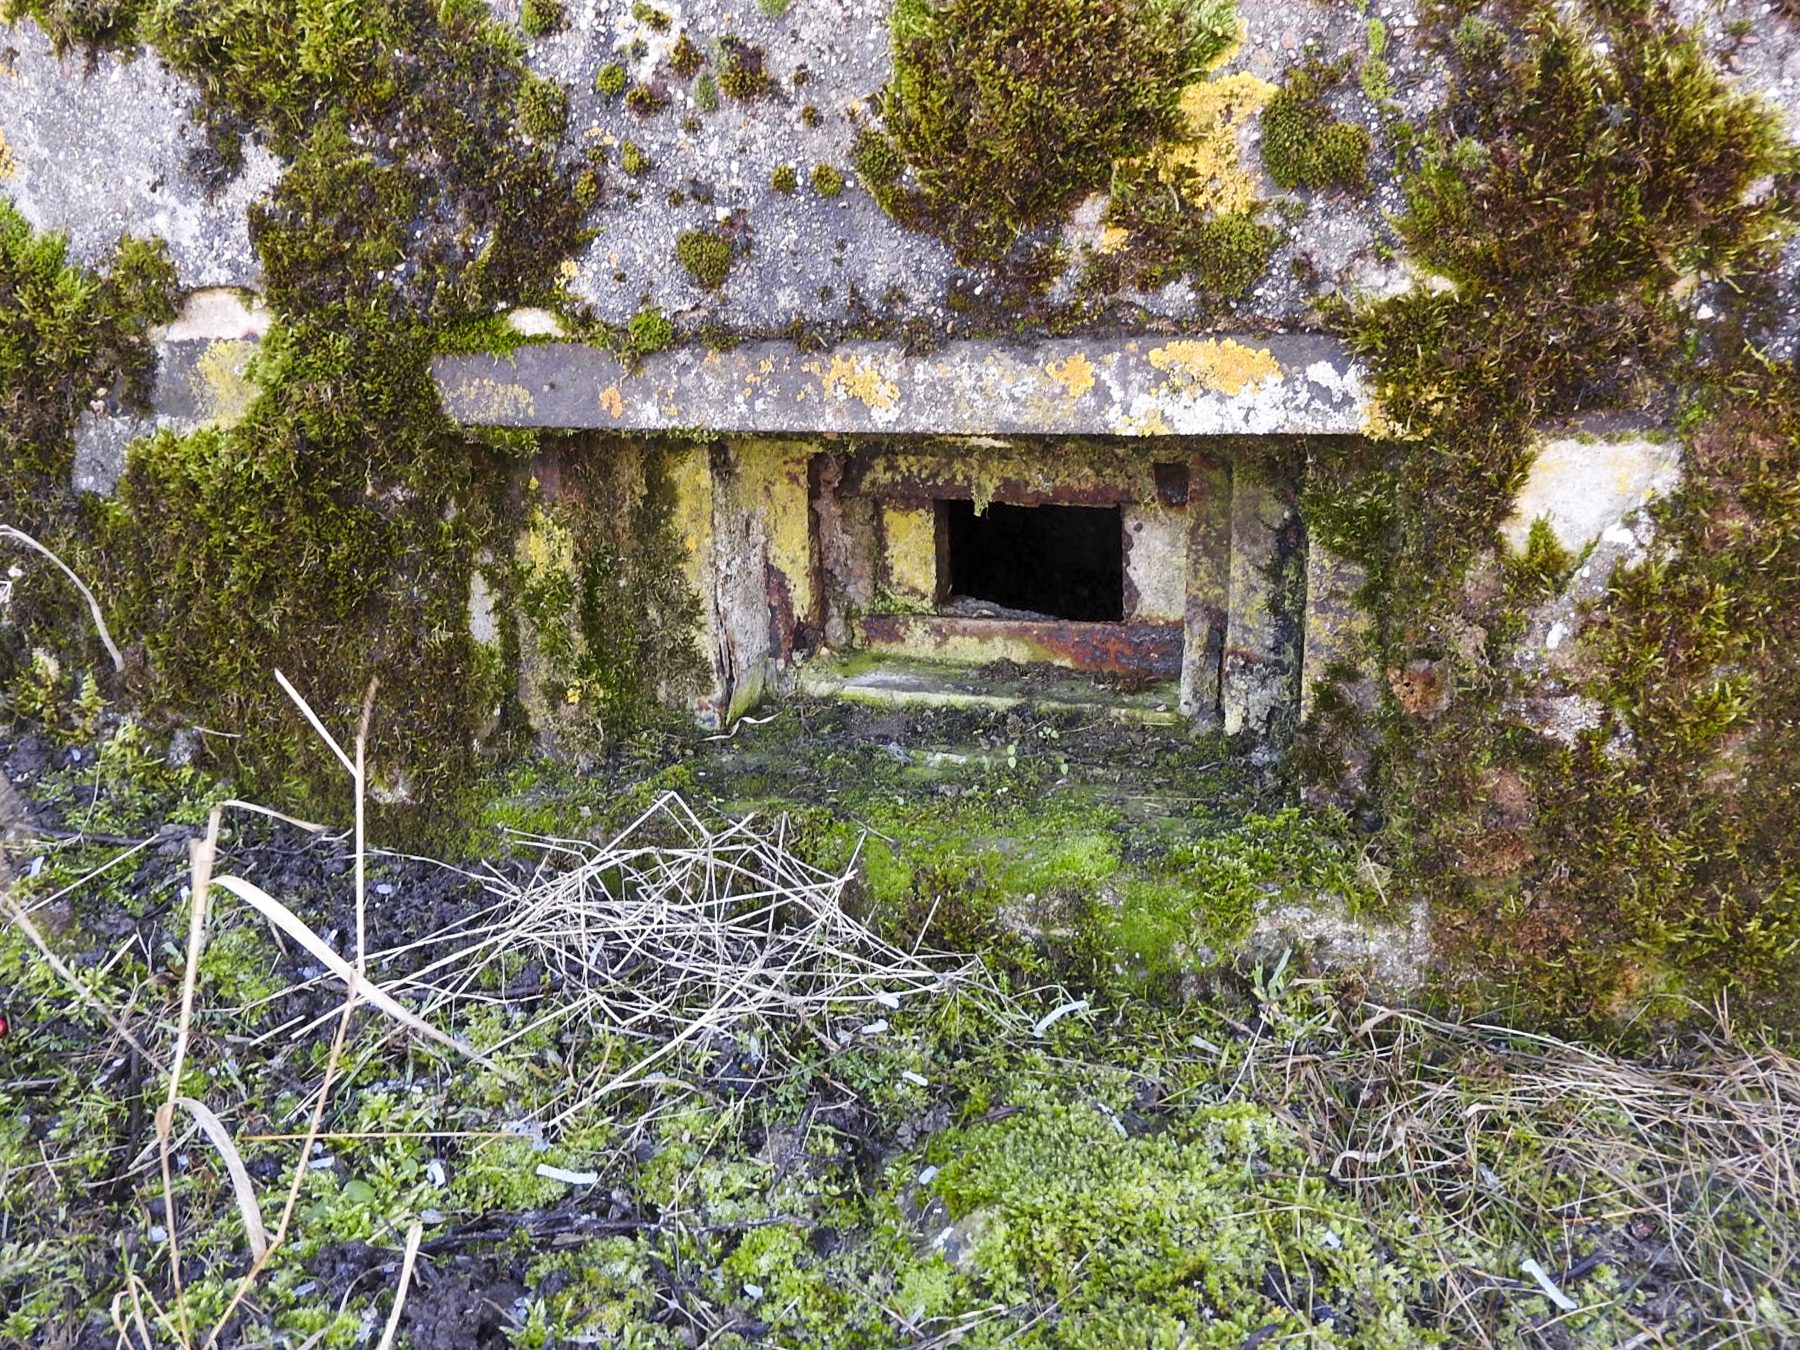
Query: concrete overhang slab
(1290, 384)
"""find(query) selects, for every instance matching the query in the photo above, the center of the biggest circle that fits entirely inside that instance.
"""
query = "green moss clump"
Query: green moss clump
(543, 108)
(1222, 255)
(81, 23)
(1303, 142)
(645, 101)
(879, 164)
(649, 331)
(332, 532)
(540, 18)
(610, 80)
(633, 160)
(706, 256)
(650, 16)
(783, 179)
(706, 93)
(1011, 111)
(827, 181)
(66, 332)
(742, 75)
(686, 59)
(810, 116)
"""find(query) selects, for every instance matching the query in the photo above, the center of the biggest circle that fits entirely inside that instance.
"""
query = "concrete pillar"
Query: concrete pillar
(1208, 589)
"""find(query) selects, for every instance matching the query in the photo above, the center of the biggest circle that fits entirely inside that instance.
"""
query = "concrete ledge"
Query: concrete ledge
(1285, 385)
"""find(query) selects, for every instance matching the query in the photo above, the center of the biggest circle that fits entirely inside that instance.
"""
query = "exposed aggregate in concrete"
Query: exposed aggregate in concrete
(103, 146)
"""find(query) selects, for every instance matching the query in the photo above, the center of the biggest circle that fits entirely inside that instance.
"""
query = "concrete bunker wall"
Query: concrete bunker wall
(807, 548)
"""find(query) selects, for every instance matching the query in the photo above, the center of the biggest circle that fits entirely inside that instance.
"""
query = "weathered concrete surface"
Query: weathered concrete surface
(1260, 665)
(202, 362)
(116, 150)
(898, 681)
(1335, 625)
(839, 260)
(1141, 649)
(1582, 486)
(1295, 385)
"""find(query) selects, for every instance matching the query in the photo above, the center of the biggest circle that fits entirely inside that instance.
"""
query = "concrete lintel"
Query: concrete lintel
(1301, 384)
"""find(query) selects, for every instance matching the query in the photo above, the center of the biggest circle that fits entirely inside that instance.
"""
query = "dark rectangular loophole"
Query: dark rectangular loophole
(1062, 562)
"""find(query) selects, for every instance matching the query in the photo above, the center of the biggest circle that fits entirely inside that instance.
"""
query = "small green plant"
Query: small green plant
(686, 59)
(784, 179)
(543, 108)
(810, 116)
(706, 257)
(706, 93)
(1376, 80)
(774, 9)
(1377, 33)
(650, 16)
(827, 181)
(633, 160)
(587, 189)
(1477, 40)
(610, 80)
(649, 331)
(540, 18)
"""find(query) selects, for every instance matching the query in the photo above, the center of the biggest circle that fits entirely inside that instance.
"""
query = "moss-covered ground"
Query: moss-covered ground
(1060, 1150)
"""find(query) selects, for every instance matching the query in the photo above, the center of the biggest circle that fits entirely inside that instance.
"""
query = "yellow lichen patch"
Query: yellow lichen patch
(612, 402)
(225, 394)
(568, 270)
(1205, 163)
(8, 169)
(1114, 238)
(481, 401)
(1377, 425)
(1075, 373)
(1150, 423)
(1227, 367)
(910, 534)
(857, 377)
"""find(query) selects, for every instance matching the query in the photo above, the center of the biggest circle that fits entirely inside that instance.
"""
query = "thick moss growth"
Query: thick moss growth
(331, 534)
(1564, 193)
(544, 108)
(600, 582)
(1304, 144)
(1011, 111)
(1699, 652)
(540, 18)
(328, 535)
(66, 334)
(610, 80)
